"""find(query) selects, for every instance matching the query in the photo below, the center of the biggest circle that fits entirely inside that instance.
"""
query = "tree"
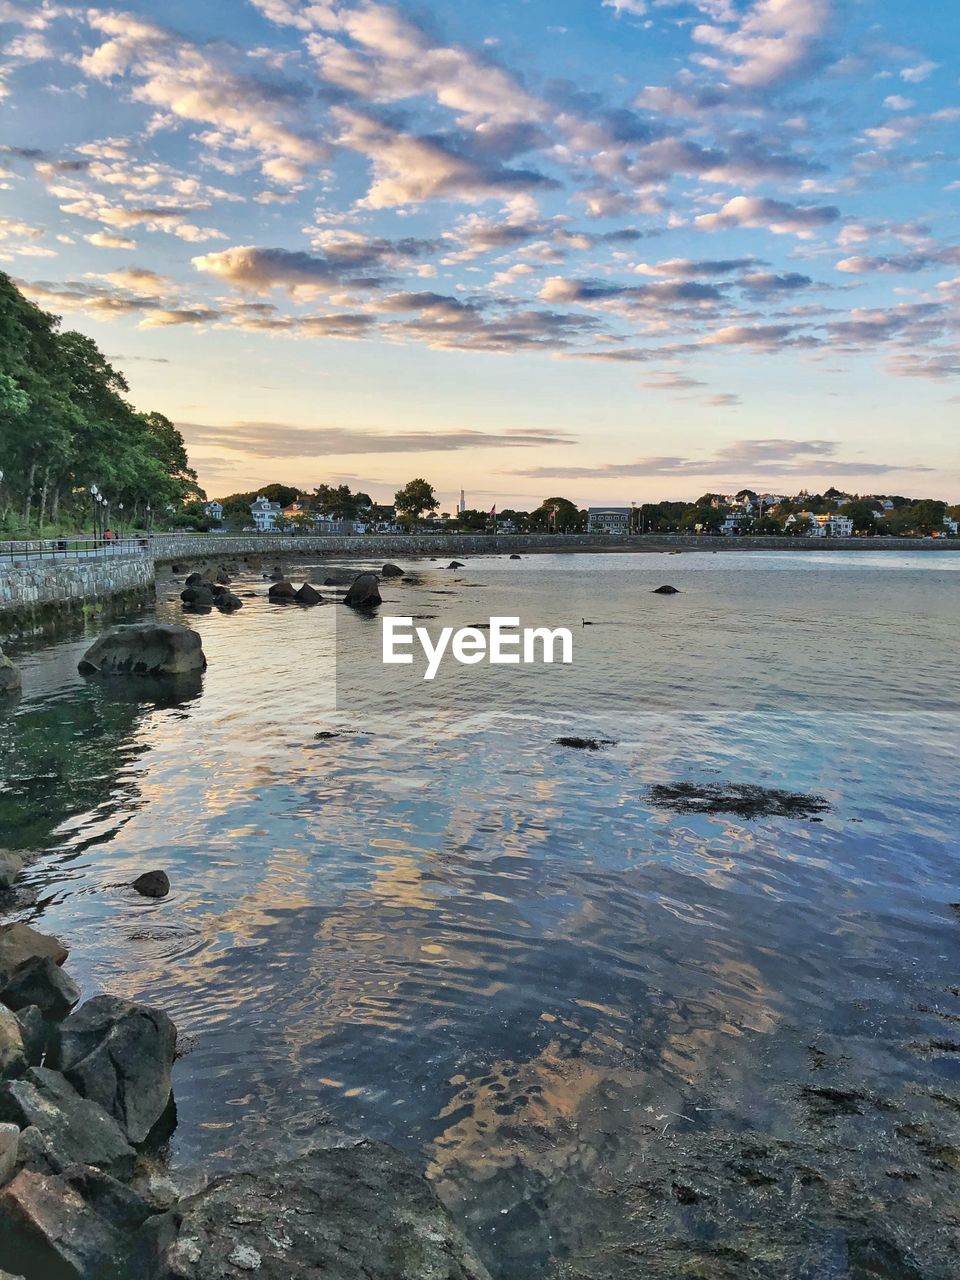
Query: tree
(860, 511)
(928, 515)
(557, 514)
(414, 499)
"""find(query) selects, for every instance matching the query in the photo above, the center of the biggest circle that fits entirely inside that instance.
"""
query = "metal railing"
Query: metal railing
(72, 548)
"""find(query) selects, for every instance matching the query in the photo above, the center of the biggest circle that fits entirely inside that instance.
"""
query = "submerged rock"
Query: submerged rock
(585, 744)
(78, 1130)
(18, 942)
(10, 680)
(359, 1213)
(120, 1055)
(666, 591)
(391, 571)
(742, 799)
(309, 595)
(340, 577)
(41, 982)
(11, 864)
(152, 884)
(364, 592)
(456, 564)
(145, 648)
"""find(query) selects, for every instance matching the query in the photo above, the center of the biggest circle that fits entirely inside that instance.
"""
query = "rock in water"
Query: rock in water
(665, 591)
(18, 942)
(79, 1131)
(11, 864)
(359, 1213)
(152, 884)
(9, 675)
(42, 983)
(120, 1055)
(198, 598)
(391, 571)
(455, 564)
(145, 648)
(227, 602)
(515, 556)
(282, 591)
(364, 592)
(13, 1057)
(309, 595)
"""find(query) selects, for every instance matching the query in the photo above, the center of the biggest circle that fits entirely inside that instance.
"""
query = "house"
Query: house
(609, 519)
(214, 511)
(265, 514)
(831, 525)
(950, 525)
(299, 510)
(732, 522)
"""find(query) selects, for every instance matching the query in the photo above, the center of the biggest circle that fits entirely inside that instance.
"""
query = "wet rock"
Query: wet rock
(78, 1130)
(9, 676)
(364, 592)
(227, 602)
(158, 1191)
(18, 942)
(152, 884)
(358, 1213)
(34, 1033)
(74, 1226)
(456, 564)
(309, 595)
(11, 864)
(585, 744)
(666, 591)
(283, 592)
(41, 982)
(197, 598)
(391, 571)
(35, 1152)
(13, 1056)
(222, 577)
(743, 800)
(145, 648)
(120, 1055)
(516, 557)
(9, 1143)
(340, 578)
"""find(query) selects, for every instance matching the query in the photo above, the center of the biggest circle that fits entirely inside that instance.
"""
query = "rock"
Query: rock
(158, 1191)
(35, 1152)
(13, 1055)
(18, 942)
(227, 602)
(359, 1213)
(33, 1032)
(78, 1130)
(42, 983)
(309, 595)
(340, 578)
(75, 1226)
(178, 568)
(391, 571)
(11, 864)
(456, 564)
(152, 884)
(197, 580)
(9, 675)
(282, 591)
(120, 1055)
(516, 557)
(145, 648)
(364, 592)
(665, 591)
(585, 744)
(223, 578)
(745, 800)
(9, 1143)
(198, 598)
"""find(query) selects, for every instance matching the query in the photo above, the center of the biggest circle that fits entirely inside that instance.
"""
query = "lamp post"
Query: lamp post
(120, 521)
(149, 520)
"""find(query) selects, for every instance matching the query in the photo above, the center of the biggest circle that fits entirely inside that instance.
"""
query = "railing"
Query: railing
(72, 548)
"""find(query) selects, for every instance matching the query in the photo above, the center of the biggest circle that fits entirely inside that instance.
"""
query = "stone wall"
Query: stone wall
(36, 593)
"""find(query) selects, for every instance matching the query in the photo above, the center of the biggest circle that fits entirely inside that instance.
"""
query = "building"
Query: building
(265, 514)
(299, 510)
(214, 511)
(950, 525)
(732, 522)
(830, 525)
(609, 519)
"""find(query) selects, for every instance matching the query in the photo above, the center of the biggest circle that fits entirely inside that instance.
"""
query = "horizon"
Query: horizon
(596, 246)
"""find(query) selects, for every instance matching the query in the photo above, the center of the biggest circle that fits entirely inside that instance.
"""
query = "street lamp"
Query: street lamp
(120, 520)
(149, 520)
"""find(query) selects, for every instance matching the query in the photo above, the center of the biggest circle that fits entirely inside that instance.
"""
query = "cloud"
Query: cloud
(350, 261)
(689, 268)
(773, 41)
(279, 440)
(775, 215)
(902, 263)
(920, 71)
(663, 292)
(636, 8)
(106, 240)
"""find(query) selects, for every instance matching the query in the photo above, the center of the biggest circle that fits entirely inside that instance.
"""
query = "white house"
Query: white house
(950, 525)
(732, 522)
(608, 519)
(214, 511)
(831, 525)
(265, 514)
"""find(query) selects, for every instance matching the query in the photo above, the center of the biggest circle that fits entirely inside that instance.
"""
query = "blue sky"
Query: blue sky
(618, 251)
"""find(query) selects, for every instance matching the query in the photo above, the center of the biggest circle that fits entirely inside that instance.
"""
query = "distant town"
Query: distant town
(280, 508)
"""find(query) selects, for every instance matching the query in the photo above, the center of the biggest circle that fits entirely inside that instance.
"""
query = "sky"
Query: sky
(616, 250)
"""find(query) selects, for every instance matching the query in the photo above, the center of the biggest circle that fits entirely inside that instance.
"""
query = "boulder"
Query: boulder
(75, 1226)
(9, 1143)
(309, 595)
(11, 864)
(13, 1057)
(282, 591)
(40, 982)
(340, 577)
(197, 580)
(222, 577)
(358, 1213)
(35, 1152)
(455, 564)
(78, 1130)
(34, 1033)
(18, 942)
(145, 648)
(9, 675)
(665, 591)
(152, 884)
(364, 592)
(197, 599)
(391, 571)
(227, 602)
(120, 1055)
(515, 556)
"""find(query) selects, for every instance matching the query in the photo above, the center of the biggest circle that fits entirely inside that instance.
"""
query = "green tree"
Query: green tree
(860, 511)
(416, 497)
(557, 514)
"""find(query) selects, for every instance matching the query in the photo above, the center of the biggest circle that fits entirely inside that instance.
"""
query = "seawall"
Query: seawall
(41, 595)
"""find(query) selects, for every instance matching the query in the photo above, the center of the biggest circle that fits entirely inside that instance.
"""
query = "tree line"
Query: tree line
(66, 426)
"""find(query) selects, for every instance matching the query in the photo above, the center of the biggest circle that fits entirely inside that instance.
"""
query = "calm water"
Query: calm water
(442, 930)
